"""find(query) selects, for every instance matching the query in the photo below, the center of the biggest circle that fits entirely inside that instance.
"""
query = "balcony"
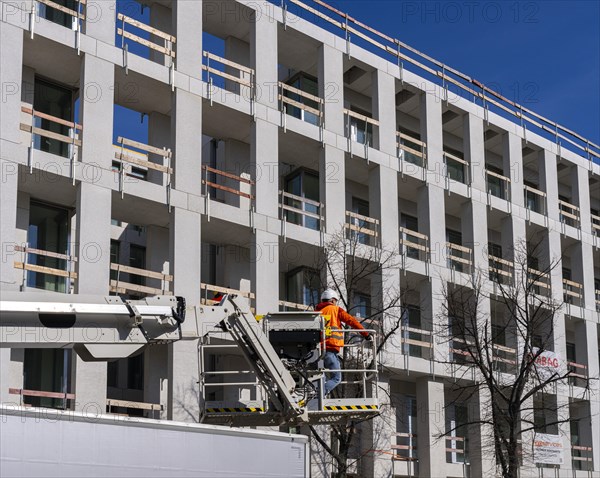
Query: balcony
(404, 446)
(301, 211)
(572, 292)
(535, 200)
(300, 104)
(596, 225)
(236, 78)
(498, 185)
(411, 150)
(364, 229)
(569, 214)
(124, 407)
(460, 258)
(504, 359)
(501, 271)
(136, 280)
(139, 28)
(359, 128)
(538, 281)
(457, 168)
(51, 134)
(417, 342)
(578, 374)
(414, 245)
(582, 457)
(138, 162)
(238, 187)
(46, 270)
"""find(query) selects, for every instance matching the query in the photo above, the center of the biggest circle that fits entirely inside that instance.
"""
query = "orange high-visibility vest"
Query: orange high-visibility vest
(334, 317)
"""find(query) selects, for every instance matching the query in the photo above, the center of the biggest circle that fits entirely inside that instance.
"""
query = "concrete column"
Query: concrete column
(187, 28)
(159, 136)
(183, 389)
(97, 112)
(156, 375)
(475, 233)
(11, 52)
(512, 158)
(435, 318)
(100, 21)
(186, 137)
(331, 87)
(475, 150)
(377, 435)
(581, 196)
(93, 238)
(9, 184)
(591, 333)
(264, 159)
(332, 173)
(383, 187)
(263, 53)
(549, 180)
(481, 449)
(264, 269)
(582, 256)
(431, 423)
(93, 269)
(384, 110)
(431, 134)
(432, 221)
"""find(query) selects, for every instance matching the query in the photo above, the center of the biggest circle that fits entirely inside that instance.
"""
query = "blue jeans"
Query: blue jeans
(332, 362)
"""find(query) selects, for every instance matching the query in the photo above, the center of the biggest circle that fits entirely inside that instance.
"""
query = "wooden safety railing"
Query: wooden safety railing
(457, 167)
(411, 150)
(582, 457)
(303, 101)
(212, 183)
(25, 265)
(71, 139)
(208, 292)
(504, 358)
(443, 75)
(460, 258)
(366, 226)
(501, 270)
(457, 446)
(41, 394)
(414, 337)
(287, 305)
(407, 449)
(123, 287)
(140, 160)
(168, 40)
(596, 224)
(572, 292)
(539, 280)
(498, 185)
(288, 206)
(578, 373)
(535, 200)
(151, 407)
(413, 244)
(352, 117)
(245, 76)
(569, 213)
(459, 348)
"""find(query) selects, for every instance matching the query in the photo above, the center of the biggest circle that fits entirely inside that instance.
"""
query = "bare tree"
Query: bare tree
(350, 265)
(510, 383)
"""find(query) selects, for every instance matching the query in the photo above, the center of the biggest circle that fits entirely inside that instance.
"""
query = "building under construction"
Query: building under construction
(194, 148)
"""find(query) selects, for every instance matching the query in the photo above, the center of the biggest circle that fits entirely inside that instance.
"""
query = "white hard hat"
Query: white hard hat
(329, 294)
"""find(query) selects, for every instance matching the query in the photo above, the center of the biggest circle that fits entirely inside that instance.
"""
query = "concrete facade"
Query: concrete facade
(194, 228)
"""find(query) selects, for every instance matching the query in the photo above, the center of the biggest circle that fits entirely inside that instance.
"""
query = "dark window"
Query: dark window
(304, 184)
(135, 372)
(137, 259)
(302, 286)
(308, 84)
(360, 206)
(57, 101)
(56, 16)
(47, 370)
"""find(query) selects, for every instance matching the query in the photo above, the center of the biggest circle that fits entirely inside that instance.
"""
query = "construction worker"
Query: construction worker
(335, 316)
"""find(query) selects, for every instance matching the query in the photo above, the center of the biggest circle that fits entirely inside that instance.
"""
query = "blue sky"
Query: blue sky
(542, 54)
